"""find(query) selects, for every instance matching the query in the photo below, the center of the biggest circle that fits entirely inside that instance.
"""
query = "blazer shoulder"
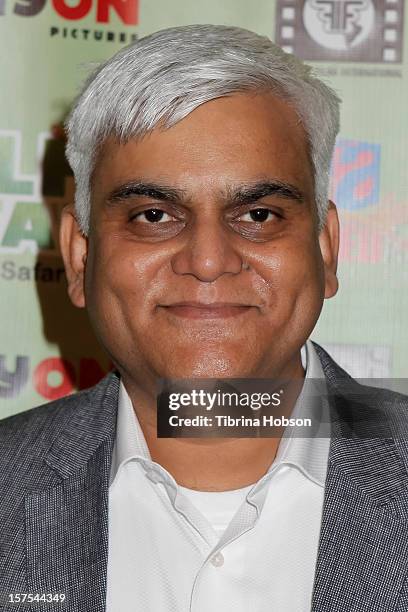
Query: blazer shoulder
(372, 410)
(338, 377)
(40, 416)
(34, 431)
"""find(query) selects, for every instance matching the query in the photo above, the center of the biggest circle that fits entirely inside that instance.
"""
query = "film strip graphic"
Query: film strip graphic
(342, 30)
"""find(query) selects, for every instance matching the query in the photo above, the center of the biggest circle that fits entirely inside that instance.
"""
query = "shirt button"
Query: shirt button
(218, 560)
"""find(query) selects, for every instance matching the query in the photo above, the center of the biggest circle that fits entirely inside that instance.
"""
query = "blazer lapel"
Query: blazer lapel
(363, 551)
(67, 523)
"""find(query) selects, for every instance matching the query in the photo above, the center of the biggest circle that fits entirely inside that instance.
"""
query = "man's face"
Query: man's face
(175, 215)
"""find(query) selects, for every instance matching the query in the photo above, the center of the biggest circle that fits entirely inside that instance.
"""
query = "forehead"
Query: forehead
(238, 137)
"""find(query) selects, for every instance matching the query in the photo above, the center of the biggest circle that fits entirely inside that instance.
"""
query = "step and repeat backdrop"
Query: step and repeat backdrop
(48, 47)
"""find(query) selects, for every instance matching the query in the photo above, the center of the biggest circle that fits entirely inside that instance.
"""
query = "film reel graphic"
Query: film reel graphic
(341, 30)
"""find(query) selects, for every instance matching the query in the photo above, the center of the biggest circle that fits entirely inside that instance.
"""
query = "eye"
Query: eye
(259, 215)
(152, 215)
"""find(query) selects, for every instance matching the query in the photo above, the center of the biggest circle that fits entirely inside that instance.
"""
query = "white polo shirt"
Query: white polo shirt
(172, 549)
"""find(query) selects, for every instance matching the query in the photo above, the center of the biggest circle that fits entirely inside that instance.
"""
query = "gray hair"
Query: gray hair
(165, 76)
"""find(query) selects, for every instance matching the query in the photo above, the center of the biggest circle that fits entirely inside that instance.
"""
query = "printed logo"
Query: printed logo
(24, 221)
(342, 30)
(355, 174)
(104, 11)
(51, 378)
(373, 226)
(127, 10)
(338, 24)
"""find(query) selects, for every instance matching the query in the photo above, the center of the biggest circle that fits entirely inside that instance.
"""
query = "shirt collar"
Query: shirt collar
(130, 441)
(308, 454)
(311, 454)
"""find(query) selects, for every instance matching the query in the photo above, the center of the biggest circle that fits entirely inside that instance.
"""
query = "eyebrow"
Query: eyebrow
(247, 194)
(151, 190)
(242, 194)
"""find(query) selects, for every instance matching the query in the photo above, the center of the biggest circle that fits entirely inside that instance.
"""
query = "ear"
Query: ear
(74, 250)
(329, 247)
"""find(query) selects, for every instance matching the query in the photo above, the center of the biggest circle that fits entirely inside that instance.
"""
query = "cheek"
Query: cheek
(290, 269)
(121, 280)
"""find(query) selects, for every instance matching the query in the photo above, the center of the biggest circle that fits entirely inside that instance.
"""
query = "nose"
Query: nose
(208, 253)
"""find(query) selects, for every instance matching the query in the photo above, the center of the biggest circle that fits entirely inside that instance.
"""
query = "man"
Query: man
(202, 244)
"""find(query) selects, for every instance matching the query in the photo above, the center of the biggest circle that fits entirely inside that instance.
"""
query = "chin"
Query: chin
(207, 365)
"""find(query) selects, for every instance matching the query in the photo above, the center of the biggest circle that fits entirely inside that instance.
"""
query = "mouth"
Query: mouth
(200, 310)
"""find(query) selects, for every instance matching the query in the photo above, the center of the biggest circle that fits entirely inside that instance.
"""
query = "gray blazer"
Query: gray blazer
(54, 478)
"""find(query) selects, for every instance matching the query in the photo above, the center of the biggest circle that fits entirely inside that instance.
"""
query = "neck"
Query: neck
(206, 464)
